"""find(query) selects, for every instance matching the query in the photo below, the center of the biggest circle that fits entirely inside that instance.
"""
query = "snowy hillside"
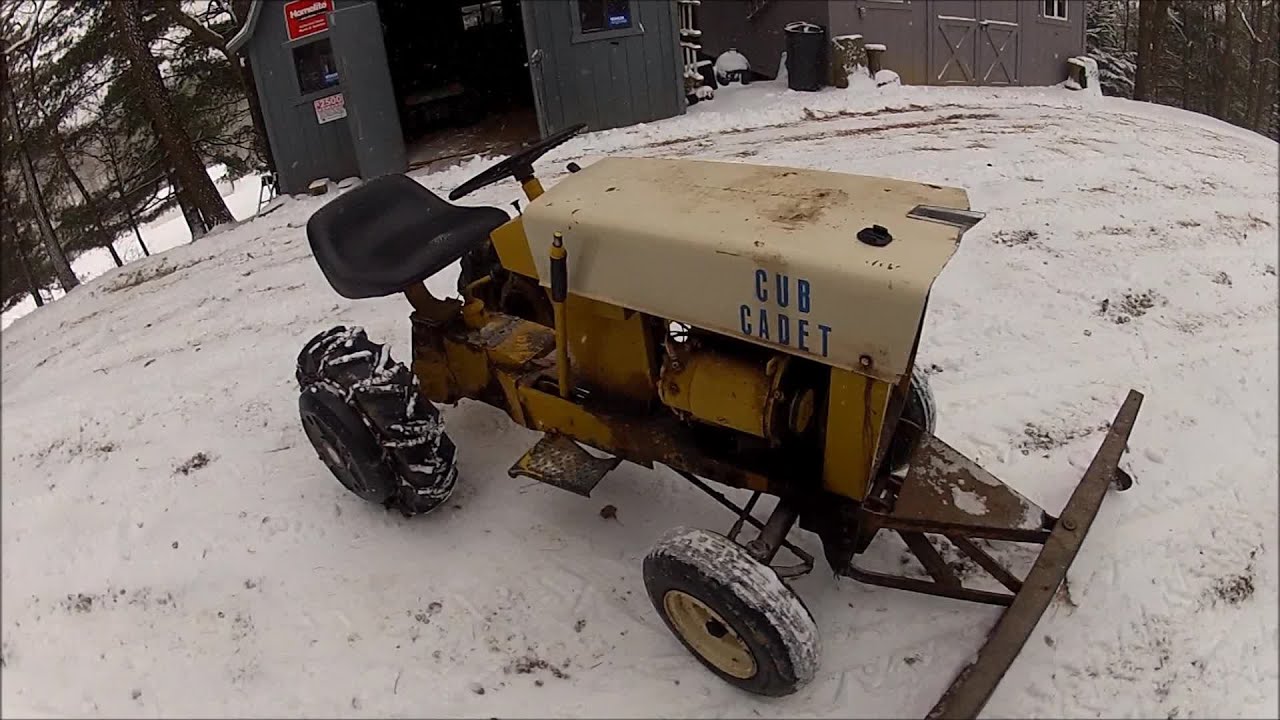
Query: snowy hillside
(165, 232)
(172, 545)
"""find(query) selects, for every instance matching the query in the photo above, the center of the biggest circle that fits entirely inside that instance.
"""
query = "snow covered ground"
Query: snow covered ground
(172, 546)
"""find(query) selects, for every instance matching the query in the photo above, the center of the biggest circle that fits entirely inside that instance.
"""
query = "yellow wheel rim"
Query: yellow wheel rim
(709, 635)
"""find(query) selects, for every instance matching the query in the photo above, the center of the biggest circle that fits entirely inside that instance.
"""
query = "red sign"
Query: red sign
(306, 17)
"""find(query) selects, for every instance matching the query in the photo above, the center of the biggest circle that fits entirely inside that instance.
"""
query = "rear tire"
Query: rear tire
(370, 425)
(733, 613)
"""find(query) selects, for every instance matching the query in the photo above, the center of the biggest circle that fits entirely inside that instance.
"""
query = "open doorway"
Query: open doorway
(458, 68)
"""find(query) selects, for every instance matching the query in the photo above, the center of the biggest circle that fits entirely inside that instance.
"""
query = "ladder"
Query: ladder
(690, 44)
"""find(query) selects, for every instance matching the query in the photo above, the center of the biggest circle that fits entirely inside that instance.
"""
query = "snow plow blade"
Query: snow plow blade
(971, 689)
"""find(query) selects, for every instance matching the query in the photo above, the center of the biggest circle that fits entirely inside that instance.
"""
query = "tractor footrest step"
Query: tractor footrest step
(557, 460)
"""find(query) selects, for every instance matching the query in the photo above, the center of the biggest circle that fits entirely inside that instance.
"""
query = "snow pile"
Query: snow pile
(1089, 67)
(730, 61)
(173, 546)
(887, 77)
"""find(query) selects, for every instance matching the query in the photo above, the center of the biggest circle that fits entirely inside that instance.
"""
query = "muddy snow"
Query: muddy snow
(173, 546)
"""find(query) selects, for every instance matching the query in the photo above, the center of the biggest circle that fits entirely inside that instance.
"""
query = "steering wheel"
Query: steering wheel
(519, 166)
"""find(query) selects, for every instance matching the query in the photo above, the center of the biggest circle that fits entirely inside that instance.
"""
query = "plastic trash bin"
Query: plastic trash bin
(806, 55)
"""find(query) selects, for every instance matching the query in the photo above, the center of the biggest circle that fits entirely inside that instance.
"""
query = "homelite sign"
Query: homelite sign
(307, 17)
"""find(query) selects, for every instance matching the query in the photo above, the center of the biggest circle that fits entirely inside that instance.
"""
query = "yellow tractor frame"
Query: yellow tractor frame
(619, 379)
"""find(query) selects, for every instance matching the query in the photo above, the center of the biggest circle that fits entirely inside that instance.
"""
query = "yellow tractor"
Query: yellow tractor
(749, 326)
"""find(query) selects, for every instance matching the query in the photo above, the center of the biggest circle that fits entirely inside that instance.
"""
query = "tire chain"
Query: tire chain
(385, 395)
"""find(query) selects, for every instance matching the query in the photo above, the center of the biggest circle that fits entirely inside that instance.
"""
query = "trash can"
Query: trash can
(806, 55)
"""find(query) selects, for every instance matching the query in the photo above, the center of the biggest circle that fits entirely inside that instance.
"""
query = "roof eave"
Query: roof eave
(246, 30)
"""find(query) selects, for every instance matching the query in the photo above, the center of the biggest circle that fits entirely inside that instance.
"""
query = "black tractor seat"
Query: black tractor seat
(390, 233)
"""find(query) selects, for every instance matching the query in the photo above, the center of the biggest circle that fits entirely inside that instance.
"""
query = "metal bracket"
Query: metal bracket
(744, 516)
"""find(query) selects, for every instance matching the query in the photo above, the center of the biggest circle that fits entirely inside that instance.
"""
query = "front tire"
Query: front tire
(919, 410)
(370, 425)
(733, 613)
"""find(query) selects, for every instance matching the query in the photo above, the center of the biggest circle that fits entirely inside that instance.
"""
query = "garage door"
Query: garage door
(974, 42)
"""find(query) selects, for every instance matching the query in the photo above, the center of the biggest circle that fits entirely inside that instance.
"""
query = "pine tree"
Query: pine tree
(1107, 42)
(35, 199)
(187, 166)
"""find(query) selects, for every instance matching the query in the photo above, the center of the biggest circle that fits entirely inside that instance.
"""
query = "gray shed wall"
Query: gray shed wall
(1037, 54)
(902, 27)
(1047, 43)
(608, 80)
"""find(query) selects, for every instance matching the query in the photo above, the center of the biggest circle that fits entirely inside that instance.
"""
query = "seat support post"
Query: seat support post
(426, 304)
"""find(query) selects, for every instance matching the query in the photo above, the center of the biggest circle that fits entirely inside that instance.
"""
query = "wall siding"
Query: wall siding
(609, 82)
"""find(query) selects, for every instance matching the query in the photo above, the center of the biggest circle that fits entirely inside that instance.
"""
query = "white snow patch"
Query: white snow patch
(349, 357)
(1032, 518)
(968, 501)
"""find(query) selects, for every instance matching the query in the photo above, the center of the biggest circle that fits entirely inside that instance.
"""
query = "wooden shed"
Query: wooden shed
(928, 42)
(369, 87)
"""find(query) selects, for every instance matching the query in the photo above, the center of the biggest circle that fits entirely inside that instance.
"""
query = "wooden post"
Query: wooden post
(874, 59)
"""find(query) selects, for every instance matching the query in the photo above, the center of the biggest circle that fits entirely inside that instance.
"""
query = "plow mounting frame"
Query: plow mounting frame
(946, 494)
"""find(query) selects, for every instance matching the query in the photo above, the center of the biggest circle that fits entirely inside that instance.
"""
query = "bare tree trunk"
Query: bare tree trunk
(32, 287)
(27, 274)
(1185, 10)
(113, 163)
(1222, 93)
(1271, 73)
(1146, 28)
(106, 238)
(1125, 43)
(1256, 71)
(138, 234)
(262, 143)
(1209, 18)
(115, 256)
(1159, 36)
(189, 210)
(61, 265)
(172, 135)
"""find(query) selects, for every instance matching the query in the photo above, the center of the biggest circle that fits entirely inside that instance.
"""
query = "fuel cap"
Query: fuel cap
(876, 235)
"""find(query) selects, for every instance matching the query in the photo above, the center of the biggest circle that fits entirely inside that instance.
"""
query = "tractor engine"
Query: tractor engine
(735, 385)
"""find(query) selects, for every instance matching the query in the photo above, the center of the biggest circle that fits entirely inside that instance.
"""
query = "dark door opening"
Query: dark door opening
(460, 76)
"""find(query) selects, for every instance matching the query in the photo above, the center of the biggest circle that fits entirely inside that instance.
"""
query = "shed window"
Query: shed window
(486, 13)
(598, 15)
(1056, 9)
(315, 66)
